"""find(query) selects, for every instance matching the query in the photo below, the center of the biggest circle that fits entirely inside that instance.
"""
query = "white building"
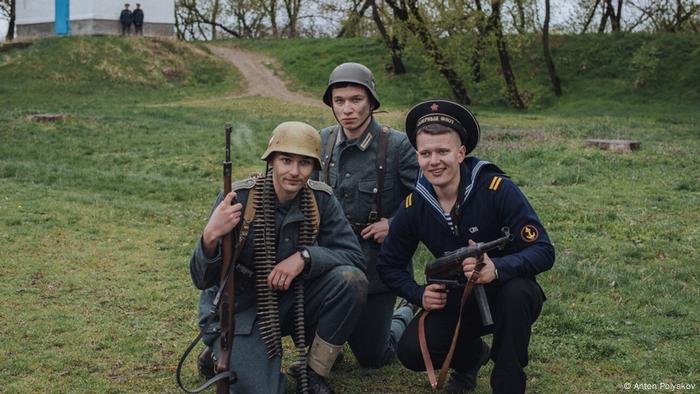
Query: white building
(43, 18)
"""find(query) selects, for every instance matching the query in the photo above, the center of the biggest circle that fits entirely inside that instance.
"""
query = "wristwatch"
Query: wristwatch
(306, 256)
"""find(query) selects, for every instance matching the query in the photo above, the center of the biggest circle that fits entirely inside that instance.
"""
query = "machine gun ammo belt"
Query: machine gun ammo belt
(267, 300)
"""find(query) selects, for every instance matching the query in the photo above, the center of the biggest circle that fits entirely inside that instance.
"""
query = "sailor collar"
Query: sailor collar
(467, 184)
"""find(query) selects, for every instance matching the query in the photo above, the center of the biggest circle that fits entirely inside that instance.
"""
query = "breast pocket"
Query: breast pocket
(368, 188)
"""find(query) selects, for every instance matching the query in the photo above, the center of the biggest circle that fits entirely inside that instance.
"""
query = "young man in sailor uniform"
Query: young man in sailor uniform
(460, 200)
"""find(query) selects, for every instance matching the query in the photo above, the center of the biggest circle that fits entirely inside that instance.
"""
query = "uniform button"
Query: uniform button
(346, 195)
(286, 240)
(374, 190)
(332, 164)
(347, 175)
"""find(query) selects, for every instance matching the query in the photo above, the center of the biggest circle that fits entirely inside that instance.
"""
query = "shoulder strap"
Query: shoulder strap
(330, 145)
(315, 217)
(376, 212)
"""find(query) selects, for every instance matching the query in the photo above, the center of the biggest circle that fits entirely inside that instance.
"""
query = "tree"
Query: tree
(668, 15)
(556, 82)
(391, 41)
(408, 13)
(292, 7)
(8, 8)
(508, 75)
(483, 28)
(270, 8)
(356, 14)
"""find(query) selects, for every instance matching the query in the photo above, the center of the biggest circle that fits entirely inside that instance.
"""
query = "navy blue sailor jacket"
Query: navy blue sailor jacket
(488, 200)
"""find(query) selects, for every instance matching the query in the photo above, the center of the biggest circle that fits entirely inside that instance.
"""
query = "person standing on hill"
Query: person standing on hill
(460, 200)
(138, 20)
(126, 18)
(371, 168)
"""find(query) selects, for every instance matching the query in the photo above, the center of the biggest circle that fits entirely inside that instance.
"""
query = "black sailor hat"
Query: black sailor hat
(446, 113)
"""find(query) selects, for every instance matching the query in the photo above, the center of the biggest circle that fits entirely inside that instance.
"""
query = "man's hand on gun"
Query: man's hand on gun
(435, 297)
(487, 274)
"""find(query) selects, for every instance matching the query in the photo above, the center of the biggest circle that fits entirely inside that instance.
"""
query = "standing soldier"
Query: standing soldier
(138, 20)
(460, 200)
(126, 18)
(293, 233)
(371, 168)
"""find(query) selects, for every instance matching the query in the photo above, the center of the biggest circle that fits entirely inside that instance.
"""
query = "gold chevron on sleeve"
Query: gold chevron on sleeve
(408, 201)
(495, 183)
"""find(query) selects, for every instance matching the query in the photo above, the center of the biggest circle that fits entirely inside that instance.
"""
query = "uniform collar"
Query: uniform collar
(291, 212)
(365, 140)
(469, 174)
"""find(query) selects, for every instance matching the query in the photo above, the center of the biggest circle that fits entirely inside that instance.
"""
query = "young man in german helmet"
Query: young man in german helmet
(297, 236)
(371, 168)
(460, 200)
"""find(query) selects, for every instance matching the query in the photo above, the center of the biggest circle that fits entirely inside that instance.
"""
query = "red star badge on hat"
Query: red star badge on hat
(434, 107)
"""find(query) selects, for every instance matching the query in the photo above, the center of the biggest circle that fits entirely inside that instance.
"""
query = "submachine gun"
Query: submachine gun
(448, 269)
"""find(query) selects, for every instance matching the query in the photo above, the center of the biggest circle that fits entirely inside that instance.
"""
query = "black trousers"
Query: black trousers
(515, 306)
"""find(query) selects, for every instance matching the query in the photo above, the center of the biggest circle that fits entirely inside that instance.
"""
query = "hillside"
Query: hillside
(99, 212)
(133, 69)
(596, 70)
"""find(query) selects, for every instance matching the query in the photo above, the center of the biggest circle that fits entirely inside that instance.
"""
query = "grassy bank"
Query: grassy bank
(99, 213)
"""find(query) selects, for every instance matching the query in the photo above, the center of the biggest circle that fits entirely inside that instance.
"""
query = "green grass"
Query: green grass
(99, 213)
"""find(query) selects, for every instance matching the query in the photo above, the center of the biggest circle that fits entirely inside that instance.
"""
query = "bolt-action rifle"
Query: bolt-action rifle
(226, 308)
(224, 303)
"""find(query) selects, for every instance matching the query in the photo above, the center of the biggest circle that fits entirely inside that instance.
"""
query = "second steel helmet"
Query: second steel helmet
(351, 73)
(296, 138)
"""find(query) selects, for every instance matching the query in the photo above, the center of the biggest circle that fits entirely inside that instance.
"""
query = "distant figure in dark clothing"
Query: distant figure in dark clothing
(126, 18)
(138, 20)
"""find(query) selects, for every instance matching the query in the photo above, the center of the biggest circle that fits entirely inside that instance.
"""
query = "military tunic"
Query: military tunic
(487, 201)
(335, 273)
(353, 177)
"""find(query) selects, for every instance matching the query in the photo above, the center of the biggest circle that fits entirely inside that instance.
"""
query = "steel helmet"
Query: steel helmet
(297, 138)
(351, 73)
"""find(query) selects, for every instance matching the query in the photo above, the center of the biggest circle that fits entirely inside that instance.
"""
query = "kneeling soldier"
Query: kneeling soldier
(460, 200)
(299, 256)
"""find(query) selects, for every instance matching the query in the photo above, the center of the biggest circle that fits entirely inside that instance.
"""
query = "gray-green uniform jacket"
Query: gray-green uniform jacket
(336, 245)
(353, 177)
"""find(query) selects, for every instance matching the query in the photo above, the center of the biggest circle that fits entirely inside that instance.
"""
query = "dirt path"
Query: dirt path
(259, 78)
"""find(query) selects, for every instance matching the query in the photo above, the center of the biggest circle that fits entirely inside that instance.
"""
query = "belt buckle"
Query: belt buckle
(372, 217)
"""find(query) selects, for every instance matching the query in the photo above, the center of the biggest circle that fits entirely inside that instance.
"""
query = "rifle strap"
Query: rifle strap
(437, 384)
(328, 156)
(203, 386)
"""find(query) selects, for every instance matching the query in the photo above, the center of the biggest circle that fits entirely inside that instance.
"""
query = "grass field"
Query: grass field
(99, 213)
